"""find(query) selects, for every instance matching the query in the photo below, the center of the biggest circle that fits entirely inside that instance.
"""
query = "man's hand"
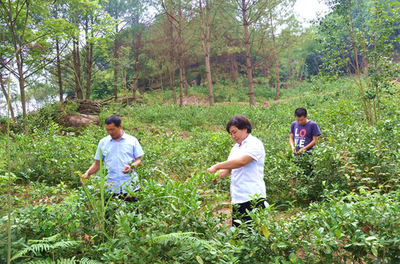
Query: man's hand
(294, 151)
(127, 169)
(84, 178)
(302, 150)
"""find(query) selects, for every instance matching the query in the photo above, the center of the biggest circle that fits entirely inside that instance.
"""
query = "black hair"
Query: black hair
(239, 121)
(299, 112)
(113, 119)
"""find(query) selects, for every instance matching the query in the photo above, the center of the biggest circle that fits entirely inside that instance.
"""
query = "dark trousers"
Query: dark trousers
(124, 197)
(239, 210)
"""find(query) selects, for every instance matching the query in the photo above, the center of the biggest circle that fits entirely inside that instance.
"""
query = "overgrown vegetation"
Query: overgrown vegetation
(346, 210)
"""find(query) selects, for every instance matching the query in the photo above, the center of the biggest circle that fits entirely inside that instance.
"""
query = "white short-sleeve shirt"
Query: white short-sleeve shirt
(248, 180)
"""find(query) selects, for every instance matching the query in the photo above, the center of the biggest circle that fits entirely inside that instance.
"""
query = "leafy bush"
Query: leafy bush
(52, 156)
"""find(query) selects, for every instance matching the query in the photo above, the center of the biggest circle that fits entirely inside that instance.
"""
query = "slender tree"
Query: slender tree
(205, 39)
(175, 17)
(117, 9)
(250, 12)
(7, 96)
(91, 30)
(275, 55)
(172, 42)
(59, 74)
(138, 21)
(29, 29)
(16, 14)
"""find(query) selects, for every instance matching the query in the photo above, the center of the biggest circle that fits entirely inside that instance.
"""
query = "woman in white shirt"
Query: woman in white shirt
(246, 166)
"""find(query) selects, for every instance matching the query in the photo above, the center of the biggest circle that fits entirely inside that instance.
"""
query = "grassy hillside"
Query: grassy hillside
(346, 211)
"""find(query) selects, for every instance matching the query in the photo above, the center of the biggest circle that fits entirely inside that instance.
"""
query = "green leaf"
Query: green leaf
(282, 245)
(265, 231)
(371, 238)
(374, 251)
(199, 259)
(338, 233)
(293, 258)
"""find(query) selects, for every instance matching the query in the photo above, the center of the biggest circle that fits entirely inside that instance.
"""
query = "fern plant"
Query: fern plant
(65, 261)
(189, 240)
(34, 251)
(186, 238)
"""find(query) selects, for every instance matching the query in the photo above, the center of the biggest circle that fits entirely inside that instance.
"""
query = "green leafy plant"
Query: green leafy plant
(45, 245)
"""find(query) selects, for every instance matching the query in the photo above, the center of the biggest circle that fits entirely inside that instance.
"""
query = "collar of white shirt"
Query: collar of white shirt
(123, 136)
(244, 141)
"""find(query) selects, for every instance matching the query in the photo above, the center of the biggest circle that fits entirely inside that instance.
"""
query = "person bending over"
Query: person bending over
(246, 166)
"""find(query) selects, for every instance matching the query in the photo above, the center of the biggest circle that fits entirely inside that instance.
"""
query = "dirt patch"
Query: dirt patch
(193, 100)
(174, 177)
(184, 134)
(266, 104)
(190, 100)
(233, 103)
(24, 196)
(224, 207)
(215, 128)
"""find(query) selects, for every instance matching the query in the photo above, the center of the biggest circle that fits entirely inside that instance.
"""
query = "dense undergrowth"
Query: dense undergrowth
(345, 211)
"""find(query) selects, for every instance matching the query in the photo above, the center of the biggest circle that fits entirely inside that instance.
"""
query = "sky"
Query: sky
(308, 9)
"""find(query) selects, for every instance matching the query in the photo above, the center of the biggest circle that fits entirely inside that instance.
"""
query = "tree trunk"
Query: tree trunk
(265, 69)
(236, 68)
(21, 81)
(248, 60)
(172, 58)
(59, 76)
(181, 86)
(123, 78)
(77, 69)
(7, 96)
(366, 68)
(181, 51)
(115, 53)
(135, 78)
(300, 77)
(205, 39)
(89, 66)
(136, 46)
(231, 59)
(216, 71)
(367, 107)
(276, 57)
(162, 79)
(185, 84)
(17, 40)
(134, 88)
(172, 80)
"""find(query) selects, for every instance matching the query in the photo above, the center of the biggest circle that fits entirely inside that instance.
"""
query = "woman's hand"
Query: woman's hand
(84, 178)
(212, 169)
